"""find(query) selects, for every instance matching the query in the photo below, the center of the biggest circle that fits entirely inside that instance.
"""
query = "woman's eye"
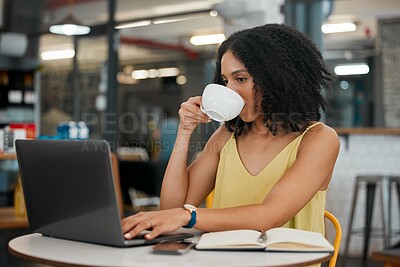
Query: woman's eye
(241, 79)
(224, 82)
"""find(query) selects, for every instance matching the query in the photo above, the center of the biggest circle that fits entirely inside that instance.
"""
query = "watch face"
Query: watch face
(189, 207)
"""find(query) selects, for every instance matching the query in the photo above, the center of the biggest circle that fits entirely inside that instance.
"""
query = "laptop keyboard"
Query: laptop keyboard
(139, 239)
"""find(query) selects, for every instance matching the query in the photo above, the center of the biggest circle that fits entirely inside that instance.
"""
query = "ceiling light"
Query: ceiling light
(69, 25)
(124, 78)
(60, 54)
(338, 27)
(213, 13)
(167, 19)
(140, 74)
(133, 24)
(181, 80)
(168, 72)
(344, 85)
(162, 21)
(352, 69)
(207, 39)
(177, 18)
(155, 73)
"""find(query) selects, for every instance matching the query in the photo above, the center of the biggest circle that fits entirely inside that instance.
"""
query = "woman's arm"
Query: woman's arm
(310, 173)
(191, 185)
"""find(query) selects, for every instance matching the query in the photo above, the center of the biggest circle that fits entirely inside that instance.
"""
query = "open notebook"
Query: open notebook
(276, 239)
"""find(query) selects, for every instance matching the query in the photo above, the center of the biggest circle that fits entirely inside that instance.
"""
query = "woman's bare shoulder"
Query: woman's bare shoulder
(321, 135)
(323, 130)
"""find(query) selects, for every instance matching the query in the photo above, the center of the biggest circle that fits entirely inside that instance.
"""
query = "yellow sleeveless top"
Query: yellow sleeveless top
(235, 186)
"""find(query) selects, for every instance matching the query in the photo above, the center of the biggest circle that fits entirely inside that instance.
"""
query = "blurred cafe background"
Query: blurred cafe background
(123, 72)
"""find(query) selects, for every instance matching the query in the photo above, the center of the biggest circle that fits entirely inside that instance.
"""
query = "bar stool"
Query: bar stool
(371, 182)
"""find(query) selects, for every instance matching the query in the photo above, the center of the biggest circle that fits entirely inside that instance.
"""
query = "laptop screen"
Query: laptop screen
(69, 190)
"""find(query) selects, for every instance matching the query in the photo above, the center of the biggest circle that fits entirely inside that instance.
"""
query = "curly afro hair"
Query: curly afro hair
(288, 73)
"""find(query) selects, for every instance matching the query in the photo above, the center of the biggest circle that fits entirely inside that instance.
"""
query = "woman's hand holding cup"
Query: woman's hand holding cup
(191, 115)
(218, 102)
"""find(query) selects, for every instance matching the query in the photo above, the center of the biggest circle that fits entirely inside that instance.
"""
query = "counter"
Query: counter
(374, 131)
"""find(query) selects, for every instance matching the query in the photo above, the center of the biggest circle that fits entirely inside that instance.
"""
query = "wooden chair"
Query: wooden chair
(117, 184)
(338, 237)
(209, 200)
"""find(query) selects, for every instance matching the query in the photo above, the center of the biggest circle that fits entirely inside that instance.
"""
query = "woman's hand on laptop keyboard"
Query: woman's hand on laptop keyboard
(158, 222)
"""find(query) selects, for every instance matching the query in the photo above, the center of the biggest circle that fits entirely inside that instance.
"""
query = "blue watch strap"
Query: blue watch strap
(192, 221)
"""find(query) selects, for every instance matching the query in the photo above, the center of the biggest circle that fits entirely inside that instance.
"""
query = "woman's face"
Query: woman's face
(236, 77)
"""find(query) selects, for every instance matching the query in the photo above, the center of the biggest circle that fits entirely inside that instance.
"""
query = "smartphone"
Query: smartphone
(172, 247)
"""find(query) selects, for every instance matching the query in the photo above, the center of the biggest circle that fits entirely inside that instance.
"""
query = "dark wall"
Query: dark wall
(23, 16)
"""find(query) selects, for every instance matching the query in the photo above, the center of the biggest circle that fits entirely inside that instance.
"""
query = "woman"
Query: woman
(271, 166)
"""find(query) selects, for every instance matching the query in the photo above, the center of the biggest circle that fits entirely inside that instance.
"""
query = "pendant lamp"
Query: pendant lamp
(69, 25)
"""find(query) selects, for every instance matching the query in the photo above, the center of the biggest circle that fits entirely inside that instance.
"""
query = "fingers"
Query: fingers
(190, 113)
(134, 225)
(193, 113)
(191, 109)
(157, 222)
(154, 233)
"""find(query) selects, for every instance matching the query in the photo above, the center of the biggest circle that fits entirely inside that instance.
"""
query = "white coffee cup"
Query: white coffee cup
(221, 103)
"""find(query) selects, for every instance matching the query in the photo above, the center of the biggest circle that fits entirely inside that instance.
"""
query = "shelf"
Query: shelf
(373, 131)
(8, 219)
(7, 156)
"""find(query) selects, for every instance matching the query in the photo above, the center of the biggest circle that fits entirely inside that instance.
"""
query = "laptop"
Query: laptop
(69, 192)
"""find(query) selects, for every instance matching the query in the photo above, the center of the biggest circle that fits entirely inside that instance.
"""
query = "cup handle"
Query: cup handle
(202, 110)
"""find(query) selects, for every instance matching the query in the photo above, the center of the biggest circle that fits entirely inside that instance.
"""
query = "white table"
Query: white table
(58, 252)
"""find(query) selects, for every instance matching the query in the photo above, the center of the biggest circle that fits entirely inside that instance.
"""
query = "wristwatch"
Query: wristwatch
(193, 213)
